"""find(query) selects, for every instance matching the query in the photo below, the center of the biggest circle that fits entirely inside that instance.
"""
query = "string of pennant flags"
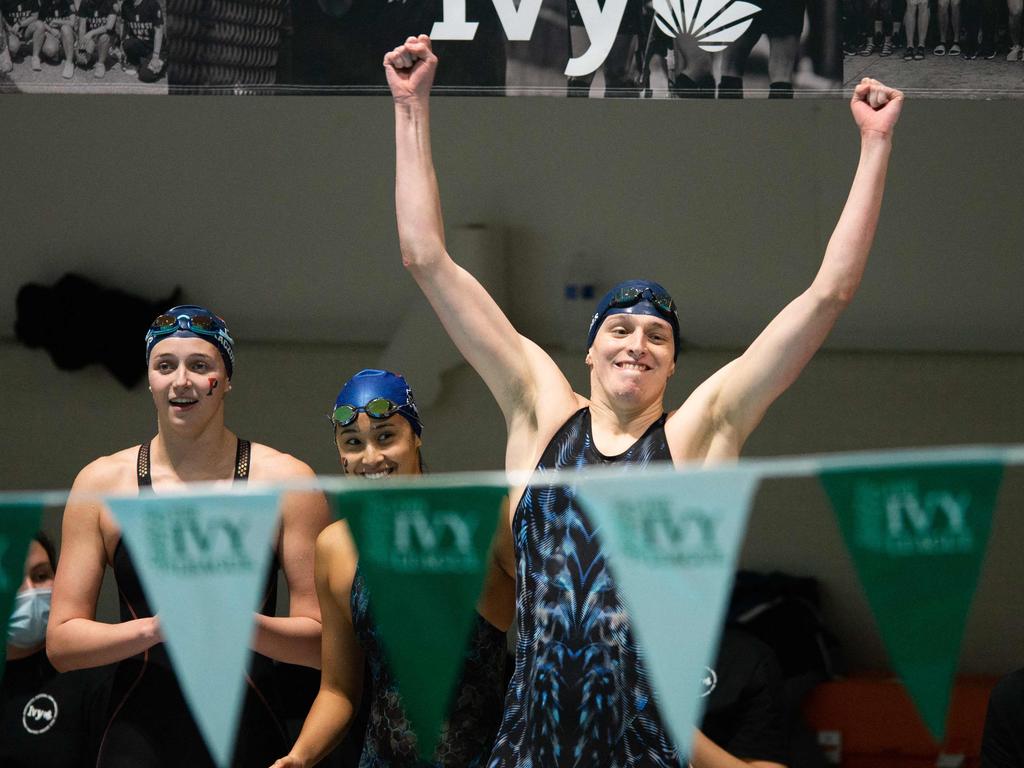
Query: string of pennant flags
(916, 524)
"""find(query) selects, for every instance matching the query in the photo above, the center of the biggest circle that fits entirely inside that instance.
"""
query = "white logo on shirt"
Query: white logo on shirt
(40, 714)
(708, 682)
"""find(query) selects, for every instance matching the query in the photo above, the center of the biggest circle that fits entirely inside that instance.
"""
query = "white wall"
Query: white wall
(55, 422)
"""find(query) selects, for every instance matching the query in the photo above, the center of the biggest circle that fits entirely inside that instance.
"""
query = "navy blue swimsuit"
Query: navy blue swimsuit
(579, 695)
(473, 717)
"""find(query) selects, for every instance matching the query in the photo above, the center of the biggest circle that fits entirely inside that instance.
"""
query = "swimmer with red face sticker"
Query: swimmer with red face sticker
(185, 347)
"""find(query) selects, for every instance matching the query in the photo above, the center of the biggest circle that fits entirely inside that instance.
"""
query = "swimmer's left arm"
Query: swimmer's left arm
(777, 357)
(295, 638)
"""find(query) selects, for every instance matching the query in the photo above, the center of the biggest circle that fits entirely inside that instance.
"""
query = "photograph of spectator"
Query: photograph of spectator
(936, 48)
(82, 46)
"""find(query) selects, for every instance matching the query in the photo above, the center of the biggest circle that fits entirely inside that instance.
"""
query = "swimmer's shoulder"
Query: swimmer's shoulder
(109, 473)
(269, 465)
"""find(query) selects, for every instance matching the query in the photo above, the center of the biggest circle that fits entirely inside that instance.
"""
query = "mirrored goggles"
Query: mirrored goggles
(378, 408)
(202, 324)
(627, 297)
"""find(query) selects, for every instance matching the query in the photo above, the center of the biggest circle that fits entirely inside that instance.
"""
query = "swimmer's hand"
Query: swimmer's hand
(410, 70)
(876, 107)
(289, 762)
(152, 629)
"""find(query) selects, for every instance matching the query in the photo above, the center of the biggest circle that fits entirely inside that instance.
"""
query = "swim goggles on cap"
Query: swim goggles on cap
(627, 297)
(206, 325)
(378, 408)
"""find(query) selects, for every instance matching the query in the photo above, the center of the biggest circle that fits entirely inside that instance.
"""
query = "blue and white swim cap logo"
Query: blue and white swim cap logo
(714, 23)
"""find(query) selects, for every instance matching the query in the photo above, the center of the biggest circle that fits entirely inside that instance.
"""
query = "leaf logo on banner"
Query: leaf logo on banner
(203, 562)
(672, 541)
(423, 553)
(917, 536)
(714, 23)
(18, 524)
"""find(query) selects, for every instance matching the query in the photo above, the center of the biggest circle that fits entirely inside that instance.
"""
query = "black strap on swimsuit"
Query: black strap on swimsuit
(241, 464)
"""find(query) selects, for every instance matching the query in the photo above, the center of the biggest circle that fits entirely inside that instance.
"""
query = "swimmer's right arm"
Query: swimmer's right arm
(74, 639)
(341, 675)
(509, 365)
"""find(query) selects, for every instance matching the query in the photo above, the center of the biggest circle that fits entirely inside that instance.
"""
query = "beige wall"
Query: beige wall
(55, 422)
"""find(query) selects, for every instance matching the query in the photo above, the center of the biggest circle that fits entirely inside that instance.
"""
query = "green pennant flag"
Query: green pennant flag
(19, 522)
(917, 535)
(423, 553)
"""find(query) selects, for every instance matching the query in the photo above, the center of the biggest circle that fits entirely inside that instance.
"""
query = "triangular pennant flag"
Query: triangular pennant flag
(672, 541)
(203, 561)
(423, 553)
(917, 536)
(19, 522)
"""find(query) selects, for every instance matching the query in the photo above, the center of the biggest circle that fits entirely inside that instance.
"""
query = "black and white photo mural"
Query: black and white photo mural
(939, 48)
(579, 48)
(625, 48)
(83, 46)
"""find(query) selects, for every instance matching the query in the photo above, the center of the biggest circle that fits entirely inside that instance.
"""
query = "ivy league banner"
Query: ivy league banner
(639, 48)
(672, 540)
(423, 554)
(917, 536)
(18, 524)
(595, 48)
(203, 562)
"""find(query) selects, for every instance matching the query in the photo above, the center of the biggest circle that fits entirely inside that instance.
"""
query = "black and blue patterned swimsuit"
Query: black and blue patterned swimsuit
(473, 717)
(579, 695)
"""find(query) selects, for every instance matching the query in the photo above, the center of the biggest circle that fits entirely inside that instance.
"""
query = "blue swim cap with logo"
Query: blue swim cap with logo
(189, 320)
(637, 297)
(372, 384)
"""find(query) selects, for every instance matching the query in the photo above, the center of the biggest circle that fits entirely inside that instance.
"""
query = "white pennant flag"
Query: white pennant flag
(672, 541)
(203, 561)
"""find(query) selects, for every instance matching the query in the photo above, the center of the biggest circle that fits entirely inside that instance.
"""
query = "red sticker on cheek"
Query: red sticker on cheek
(213, 385)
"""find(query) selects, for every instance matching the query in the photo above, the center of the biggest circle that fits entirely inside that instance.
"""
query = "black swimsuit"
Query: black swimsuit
(579, 695)
(149, 723)
(473, 717)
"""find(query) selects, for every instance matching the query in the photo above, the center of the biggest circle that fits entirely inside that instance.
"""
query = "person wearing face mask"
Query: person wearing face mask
(191, 360)
(378, 432)
(47, 719)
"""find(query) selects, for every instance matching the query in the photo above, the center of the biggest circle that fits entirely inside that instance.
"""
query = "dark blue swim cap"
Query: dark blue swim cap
(370, 384)
(189, 320)
(637, 297)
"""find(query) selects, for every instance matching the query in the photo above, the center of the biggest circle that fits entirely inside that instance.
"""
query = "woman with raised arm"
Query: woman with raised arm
(580, 694)
(190, 357)
(378, 432)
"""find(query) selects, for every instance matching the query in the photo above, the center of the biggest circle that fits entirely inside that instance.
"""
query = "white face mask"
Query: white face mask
(27, 627)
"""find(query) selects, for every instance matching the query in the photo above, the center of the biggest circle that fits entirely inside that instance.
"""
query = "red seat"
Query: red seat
(879, 727)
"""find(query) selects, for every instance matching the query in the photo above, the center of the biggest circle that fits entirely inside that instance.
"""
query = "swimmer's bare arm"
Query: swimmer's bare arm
(341, 678)
(295, 638)
(515, 370)
(736, 399)
(497, 601)
(74, 639)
